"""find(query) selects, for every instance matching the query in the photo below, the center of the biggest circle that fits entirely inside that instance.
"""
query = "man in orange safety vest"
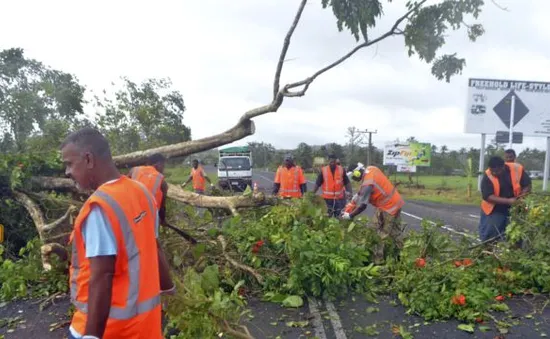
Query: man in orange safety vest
(118, 270)
(290, 181)
(335, 185)
(502, 184)
(198, 176)
(377, 190)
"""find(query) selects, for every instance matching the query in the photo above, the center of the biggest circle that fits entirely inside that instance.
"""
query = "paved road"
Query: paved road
(344, 318)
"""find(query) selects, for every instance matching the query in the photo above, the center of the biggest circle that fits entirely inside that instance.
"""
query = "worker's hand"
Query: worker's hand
(346, 216)
(511, 201)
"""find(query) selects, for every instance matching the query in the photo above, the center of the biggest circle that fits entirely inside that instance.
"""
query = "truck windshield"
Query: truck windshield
(233, 164)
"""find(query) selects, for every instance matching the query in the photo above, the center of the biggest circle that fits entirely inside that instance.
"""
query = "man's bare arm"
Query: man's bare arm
(102, 270)
(501, 201)
(164, 272)
(162, 209)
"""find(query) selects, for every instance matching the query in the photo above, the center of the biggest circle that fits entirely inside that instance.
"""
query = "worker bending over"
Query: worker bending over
(198, 175)
(289, 180)
(377, 190)
(335, 185)
(501, 185)
(118, 270)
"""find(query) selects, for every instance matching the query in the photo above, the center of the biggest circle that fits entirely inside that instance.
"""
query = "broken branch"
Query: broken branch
(306, 82)
(233, 262)
(284, 50)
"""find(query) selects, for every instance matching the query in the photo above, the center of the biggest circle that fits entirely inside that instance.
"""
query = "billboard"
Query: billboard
(408, 154)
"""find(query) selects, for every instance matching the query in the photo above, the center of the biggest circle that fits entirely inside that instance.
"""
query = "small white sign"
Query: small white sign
(489, 107)
(406, 169)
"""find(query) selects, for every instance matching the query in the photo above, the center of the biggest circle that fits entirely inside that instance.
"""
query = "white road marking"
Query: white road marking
(335, 320)
(317, 321)
(445, 227)
(473, 216)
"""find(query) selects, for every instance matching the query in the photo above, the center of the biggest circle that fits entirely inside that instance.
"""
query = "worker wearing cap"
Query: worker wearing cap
(290, 181)
(335, 185)
(377, 190)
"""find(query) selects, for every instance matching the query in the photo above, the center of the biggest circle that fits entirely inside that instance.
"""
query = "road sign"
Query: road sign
(490, 104)
(503, 137)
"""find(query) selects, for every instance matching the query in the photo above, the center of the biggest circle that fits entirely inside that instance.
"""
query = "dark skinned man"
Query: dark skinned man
(118, 270)
(502, 184)
(289, 180)
(335, 185)
(377, 190)
(198, 176)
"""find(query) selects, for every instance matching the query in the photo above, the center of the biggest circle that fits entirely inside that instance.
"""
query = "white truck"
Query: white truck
(235, 168)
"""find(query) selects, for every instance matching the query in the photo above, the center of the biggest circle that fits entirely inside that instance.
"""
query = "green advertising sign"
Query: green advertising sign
(421, 154)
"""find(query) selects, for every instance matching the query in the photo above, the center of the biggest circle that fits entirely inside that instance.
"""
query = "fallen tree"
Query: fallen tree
(423, 29)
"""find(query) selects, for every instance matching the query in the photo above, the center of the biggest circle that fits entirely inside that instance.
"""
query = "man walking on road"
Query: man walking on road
(501, 185)
(289, 180)
(198, 175)
(333, 180)
(118, 270)
(377, 190)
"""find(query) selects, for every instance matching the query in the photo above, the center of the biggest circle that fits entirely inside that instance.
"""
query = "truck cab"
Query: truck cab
(235, 168)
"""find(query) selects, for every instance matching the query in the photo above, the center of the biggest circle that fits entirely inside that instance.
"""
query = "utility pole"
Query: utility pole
(370, 133)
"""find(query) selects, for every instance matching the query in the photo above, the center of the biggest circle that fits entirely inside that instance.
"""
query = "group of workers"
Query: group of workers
(375, 189)
(118, 270)
(503, 183)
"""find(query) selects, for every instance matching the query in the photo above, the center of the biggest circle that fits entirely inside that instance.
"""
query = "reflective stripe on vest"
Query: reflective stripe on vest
(295, 187)
(133, 307)
(332, 192)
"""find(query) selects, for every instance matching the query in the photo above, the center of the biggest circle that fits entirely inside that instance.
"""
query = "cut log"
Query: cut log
(231, 203)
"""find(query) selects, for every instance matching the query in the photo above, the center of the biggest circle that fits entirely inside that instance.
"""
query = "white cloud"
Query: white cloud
(222, 55)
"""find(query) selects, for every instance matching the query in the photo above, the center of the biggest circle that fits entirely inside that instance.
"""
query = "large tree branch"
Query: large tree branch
(286, 44)
(231, 203)
(243, 129)
(394, 30)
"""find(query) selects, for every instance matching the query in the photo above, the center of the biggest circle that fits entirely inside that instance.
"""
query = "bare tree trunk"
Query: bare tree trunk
(47, 232)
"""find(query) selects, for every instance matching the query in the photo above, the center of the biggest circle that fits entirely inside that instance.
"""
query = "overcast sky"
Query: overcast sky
(222, 54)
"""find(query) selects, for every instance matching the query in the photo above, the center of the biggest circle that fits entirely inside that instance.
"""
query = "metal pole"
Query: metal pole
(369, 150)
(546, 165)
(512, 110)
(481, 161)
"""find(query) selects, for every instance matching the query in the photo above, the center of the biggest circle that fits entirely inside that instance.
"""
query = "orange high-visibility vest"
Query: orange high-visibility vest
(384, 194)
(135, 303)
(333, 185)
(151, 178)
(516, 172)
(290, 180)
(199, 183)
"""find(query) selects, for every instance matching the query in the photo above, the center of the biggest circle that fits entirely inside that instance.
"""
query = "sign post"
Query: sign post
(481, 161)
(496, 105)
(546, 164)
(512, 108)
